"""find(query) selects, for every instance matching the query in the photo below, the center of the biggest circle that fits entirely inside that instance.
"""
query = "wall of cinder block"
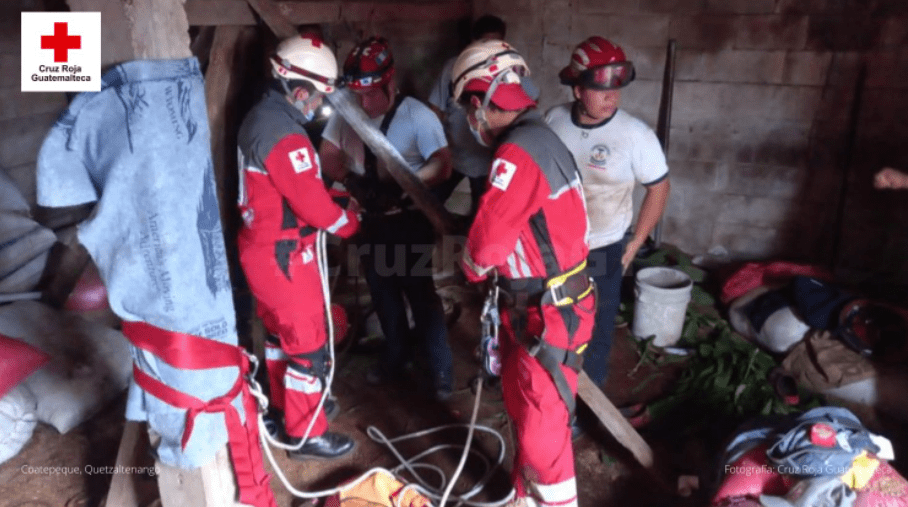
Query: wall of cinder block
(760, 143)
(24, 117)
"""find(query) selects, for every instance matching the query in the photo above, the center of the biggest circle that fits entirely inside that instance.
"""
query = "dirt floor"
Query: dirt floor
(66, 470)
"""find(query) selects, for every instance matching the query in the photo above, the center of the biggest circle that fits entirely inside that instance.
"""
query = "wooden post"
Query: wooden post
(619, 427)
(159, 30)
(273, 17)
(125, 490)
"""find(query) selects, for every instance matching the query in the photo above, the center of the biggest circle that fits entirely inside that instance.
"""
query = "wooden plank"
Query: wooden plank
(223, 81)
(123, 488)
(159, 29)
(619, 427)
(274, 18)
(367, 11)
(68, 258)
(284, 15)
(219, 12)
(211, 485)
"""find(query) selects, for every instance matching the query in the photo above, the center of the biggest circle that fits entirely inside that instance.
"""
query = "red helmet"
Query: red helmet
(369, 64)
(597, 63)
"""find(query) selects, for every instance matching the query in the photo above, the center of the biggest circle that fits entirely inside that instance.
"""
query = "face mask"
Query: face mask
(480, 116)
(301, 106)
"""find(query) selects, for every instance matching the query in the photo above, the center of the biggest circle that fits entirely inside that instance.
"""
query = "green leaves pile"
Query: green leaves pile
(725, 376)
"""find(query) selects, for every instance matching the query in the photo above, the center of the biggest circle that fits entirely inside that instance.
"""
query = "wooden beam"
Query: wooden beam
(619, 427)
(274, 18)
(219, 12)
(159, 29)
(69, 259)
(210, 485)
(284, 14)
(140, 29)
(125, 490)
(223, 81)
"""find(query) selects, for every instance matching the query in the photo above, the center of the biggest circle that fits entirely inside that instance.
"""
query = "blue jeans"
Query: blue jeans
(604, 264)
(397, 261)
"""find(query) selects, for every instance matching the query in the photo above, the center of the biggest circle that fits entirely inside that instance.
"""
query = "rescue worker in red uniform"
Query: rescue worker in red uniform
(531, 228)
(284, 204)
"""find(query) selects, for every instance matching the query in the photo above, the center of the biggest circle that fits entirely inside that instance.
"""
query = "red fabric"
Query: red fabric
(302, 393)
(751, 476)
(277, 368)
(289, 297)
(758, 274)
(179, 350)
(89, 293)
(339, 318)
(518, 190)
(544, 452)
(501, 237)
(17, 361)
(292, 174)
(886, 489)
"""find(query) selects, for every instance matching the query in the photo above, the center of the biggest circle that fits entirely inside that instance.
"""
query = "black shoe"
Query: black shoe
(329, 445)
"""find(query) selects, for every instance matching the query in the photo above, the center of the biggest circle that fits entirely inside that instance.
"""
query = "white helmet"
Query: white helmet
(493, 67)
(307, 58)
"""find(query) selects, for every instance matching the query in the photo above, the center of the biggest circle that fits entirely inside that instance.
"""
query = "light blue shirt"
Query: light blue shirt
(140, 148)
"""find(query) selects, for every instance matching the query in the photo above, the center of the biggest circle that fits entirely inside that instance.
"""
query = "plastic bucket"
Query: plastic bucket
(662, 295)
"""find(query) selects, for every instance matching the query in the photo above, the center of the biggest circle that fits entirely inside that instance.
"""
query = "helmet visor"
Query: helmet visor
(607, 77)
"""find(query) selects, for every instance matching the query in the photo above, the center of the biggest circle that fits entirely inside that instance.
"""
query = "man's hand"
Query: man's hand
(630, 251)
(890, 178)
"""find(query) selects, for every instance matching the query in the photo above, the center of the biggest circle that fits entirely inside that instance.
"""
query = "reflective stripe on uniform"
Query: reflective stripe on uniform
(340, 222)
(302, 383)
(275, 353)
(521, 256)
(562, 494)
(475, 268)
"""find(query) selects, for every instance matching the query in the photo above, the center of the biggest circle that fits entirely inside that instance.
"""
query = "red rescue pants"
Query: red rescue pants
(544, 458)
(291, 305)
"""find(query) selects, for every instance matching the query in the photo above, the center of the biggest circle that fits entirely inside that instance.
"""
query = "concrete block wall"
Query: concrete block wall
(24, 117)
(760, 122)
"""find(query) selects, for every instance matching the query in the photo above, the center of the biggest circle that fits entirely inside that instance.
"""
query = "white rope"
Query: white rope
(412, 464)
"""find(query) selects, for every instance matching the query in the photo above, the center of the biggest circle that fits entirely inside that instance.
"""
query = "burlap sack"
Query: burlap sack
(822, 362)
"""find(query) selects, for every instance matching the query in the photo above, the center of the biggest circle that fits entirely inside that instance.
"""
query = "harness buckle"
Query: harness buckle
(556, 300)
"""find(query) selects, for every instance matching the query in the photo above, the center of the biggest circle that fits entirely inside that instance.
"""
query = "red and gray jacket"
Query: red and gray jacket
(282, 197)
(532, 222)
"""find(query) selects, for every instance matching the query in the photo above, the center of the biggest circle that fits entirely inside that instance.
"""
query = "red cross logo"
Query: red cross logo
(300, 157)
(61, 42)
(502, 171)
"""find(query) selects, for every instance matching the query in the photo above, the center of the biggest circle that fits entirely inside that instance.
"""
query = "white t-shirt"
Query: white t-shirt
(611, 157)
(415, 131)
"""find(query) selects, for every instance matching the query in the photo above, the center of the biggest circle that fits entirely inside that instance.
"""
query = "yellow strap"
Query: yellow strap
(560, 279)
(862, 469)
